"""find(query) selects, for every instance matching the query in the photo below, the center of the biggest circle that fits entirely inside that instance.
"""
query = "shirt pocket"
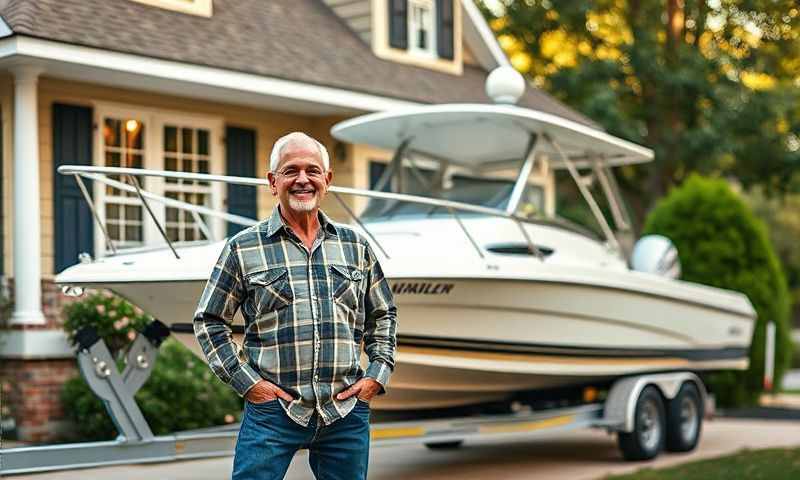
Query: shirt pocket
(346, 283)
(271, 289)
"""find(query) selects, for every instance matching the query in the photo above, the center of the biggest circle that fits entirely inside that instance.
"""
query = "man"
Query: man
(310, 291)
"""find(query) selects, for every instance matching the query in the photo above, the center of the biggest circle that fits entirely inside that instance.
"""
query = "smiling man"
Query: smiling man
(311, 292)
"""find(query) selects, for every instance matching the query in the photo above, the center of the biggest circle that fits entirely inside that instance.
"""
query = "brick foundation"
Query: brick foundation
(31, 388)
(32, 396)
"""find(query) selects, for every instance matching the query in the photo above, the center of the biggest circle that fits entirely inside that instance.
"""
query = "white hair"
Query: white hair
(277, 150)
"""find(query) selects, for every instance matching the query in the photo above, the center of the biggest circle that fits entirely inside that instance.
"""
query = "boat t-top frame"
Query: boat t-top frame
(486, 137)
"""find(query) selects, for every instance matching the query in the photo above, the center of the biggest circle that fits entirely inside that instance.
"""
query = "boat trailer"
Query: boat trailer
(630, 409)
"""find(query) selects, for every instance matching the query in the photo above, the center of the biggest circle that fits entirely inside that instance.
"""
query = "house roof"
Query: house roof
(299, 40)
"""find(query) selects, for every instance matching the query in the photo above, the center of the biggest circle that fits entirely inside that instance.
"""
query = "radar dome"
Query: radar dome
(505, 85)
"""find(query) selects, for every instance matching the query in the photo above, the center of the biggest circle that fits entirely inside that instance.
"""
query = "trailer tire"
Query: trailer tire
(684, 419)
(649, 428)
(445, 445)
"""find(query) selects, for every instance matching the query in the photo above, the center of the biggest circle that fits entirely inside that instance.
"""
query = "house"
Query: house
(198, 86)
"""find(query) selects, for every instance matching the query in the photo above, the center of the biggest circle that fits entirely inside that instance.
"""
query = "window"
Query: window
(186, 149)
(424, 33)
(158, 141)
(421, 32)
(123, 145)
(202, 8)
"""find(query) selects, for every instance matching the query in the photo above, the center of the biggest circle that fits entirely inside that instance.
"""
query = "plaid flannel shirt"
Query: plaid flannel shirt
(305, 315)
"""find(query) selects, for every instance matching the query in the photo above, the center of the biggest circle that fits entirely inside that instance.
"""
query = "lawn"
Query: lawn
(769, 464)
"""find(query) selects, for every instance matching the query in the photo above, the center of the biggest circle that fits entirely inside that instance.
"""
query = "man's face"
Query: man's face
(300, 182)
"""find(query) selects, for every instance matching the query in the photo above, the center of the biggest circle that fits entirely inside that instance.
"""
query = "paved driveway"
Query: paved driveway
(584, 454)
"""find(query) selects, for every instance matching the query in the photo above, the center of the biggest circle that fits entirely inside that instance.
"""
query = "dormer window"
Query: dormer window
(421, 38)
(424, 28)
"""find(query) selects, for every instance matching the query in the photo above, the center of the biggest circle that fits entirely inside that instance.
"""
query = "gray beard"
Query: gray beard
(303, 206)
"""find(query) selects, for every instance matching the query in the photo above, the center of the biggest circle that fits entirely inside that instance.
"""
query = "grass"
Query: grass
(769, 464)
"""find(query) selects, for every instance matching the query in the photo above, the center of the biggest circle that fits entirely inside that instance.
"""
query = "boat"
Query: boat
(497, 294)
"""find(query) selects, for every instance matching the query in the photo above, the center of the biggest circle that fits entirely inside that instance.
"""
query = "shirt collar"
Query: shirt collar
(276, 222)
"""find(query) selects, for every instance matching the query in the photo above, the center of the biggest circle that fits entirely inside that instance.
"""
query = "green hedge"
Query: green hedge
(796, 357)
(181, 394)
(722, 244)
(115, 319)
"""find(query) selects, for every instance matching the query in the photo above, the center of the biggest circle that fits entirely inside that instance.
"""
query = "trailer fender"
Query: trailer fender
(620, 405)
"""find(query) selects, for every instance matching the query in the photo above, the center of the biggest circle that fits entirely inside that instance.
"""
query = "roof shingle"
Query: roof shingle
(300, 40)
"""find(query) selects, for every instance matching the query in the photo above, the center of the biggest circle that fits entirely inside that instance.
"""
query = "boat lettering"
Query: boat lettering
(422, 288)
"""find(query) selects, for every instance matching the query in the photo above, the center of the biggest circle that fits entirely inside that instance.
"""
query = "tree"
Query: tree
(782, 217)
(721, 243)
(709, 85)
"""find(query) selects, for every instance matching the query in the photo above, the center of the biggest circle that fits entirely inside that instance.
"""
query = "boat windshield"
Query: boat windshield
(492, 191)
(473, 190)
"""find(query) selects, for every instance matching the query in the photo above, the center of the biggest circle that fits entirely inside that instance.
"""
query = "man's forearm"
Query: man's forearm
(380, 345)
(215, 339)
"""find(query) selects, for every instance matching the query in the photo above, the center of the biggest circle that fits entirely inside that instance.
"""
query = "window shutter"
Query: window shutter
(241, 162)
(398, 23)
(72, 145)
(444, 28)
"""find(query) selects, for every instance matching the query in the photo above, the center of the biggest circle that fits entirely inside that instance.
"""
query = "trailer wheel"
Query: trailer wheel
(445, 445)
(649, 427)
(684, 419)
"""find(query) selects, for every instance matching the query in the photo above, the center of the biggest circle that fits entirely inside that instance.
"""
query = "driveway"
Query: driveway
(583, 454)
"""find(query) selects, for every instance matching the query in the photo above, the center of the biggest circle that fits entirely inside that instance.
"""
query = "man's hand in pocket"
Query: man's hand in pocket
(364, 389)
(265, 391)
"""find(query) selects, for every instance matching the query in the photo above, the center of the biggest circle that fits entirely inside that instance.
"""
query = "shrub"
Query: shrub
(115, 319)
(722, 244)
(181, 394)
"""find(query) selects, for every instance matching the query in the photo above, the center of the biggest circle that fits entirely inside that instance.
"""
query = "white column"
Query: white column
(27, 218)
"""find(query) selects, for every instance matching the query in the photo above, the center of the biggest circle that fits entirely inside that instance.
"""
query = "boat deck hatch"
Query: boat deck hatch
(517, 249)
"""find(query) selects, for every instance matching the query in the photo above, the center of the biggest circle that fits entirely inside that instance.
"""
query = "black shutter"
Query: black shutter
(72, 145)
(398, 23)
(241, 162)
(444, 28)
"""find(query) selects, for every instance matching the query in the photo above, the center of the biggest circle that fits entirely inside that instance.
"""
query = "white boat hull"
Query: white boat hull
(465, 341)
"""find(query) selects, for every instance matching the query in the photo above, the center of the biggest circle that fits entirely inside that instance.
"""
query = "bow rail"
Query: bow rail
(101, 175)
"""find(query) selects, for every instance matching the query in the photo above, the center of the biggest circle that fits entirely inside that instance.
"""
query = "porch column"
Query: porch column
(27, 218)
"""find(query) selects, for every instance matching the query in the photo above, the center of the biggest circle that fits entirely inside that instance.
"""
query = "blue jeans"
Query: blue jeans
(268, 439)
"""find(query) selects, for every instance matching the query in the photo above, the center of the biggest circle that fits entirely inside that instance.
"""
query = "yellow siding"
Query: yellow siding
(469, 57)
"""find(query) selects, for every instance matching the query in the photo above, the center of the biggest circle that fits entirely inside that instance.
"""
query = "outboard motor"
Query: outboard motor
(657, 255)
